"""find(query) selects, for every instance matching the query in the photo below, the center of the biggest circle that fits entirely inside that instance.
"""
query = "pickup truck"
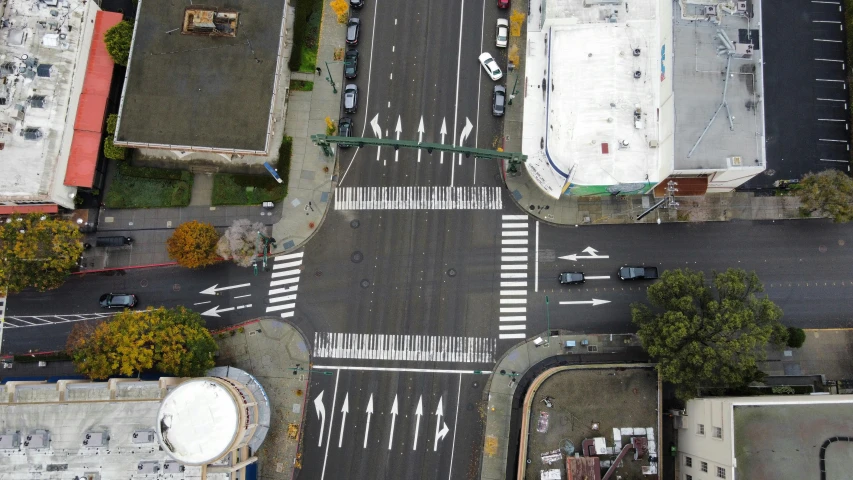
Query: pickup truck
(638, 273)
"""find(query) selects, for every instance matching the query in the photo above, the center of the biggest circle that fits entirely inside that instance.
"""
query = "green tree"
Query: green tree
(193, 245)
(37, 251)
(829, 193)
(118, 39)
(711, 336)
(796, 337)
(113, 151)
(241, 242)
(169, 341)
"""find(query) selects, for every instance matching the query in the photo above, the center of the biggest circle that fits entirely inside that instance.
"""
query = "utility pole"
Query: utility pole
(329, 78)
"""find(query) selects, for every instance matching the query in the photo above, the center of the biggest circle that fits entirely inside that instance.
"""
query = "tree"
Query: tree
(37, 251)
(118, 39)
(169, 341)
(241, 242)
(711, 336)
(113, 151)
(830, 193)
(193, 245)
(796, 337)
(341, 8)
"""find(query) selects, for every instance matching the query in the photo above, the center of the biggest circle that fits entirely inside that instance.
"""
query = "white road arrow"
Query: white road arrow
(398, 130)
(442, 133)
(593, 253)
(374, 124)
(394, 412)
(419, 413)
(344, 410)
(464, 136)
(439, 434)
(420, 136)
(592, 302)
(321, 415)
(212, 290)
(215, 311)
(369, 414)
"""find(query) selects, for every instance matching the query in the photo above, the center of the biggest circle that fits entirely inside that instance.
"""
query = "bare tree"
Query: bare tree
(241, 242)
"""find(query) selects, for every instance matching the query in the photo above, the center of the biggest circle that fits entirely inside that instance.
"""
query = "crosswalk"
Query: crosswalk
(514, 260)
(424, 348)
(418, 198)
(286, 270)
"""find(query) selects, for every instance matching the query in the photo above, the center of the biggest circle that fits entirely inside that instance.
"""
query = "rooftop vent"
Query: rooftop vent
(31, 133)
(710, 9)
(638, 74)
(636, 52)
(96, 439)
(199, 20)
(44, 70)
(37, 101)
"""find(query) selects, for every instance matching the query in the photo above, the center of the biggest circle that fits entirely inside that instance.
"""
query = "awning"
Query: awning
(687, 186)
(41, 208)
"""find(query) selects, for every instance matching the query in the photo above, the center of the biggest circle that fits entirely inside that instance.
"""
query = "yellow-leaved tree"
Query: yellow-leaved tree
(193, 245)
(341, 8)
(516, 21)
(37, 251)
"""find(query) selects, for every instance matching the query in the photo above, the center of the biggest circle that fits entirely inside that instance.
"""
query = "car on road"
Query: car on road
(353, 28)
(571, 278)
(118, 300)
(502, 33)
(638, 273)
(503, 3)
(350, 98)
(351, 64)
(490, 66)
(345, 128)
(356, 3)
(498, 100)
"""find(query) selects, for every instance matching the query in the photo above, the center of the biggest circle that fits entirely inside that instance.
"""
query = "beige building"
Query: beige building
(767, 437)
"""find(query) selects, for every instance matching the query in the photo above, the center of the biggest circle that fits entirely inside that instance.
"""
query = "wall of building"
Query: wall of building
(666, 104)
(705, 447)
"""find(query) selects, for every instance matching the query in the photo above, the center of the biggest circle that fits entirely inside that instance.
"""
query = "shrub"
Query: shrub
(796, 337)
(112, 151)
(117, 40)
(330, 126)
(112, 123)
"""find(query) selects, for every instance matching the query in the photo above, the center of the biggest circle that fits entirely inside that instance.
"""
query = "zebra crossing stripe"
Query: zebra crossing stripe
(508, 336)
(513, 309)
(514, 292)
(514, 225)
(286, 273)
(513, 300)
(288, 256)
(513, 284)
(286, 298)
(284, 281)
(287, 314)
(514, 233)
(511, 327)
(418, 198)
(279, 266)
(276, 308)
(514, 250)
(515, 258)
(278, 291)
(418, 348)
(514, 266)
(514, 217)
(513, 275)
(516, 318)
(513, 241)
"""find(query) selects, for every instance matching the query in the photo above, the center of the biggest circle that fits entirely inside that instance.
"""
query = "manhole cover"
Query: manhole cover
(143, 283)
(356, 257)
(841, 243)
(822, 249)
(354, 224)
(176, 287)
(318, 273)
(365, 283)
(451, 272)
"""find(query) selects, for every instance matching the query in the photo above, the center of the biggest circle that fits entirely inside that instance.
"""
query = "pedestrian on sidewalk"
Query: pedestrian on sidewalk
(319, 71)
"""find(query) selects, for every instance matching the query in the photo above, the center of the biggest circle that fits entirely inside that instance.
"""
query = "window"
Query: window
(701, 430)
(721, 472)
(688, 461)
(704, 466)
(718, 432)
(688, 477)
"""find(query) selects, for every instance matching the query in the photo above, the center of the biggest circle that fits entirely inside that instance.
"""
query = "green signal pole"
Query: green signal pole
(329, 78)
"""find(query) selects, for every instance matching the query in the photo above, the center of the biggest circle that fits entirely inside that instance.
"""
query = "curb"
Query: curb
(130, 267)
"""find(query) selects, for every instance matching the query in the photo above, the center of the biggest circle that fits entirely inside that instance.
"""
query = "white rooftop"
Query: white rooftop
(41, 45)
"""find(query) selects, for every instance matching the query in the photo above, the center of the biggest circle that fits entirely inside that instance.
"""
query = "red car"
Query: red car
(503, 3)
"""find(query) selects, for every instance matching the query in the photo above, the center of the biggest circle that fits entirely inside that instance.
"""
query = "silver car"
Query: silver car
(350, 98)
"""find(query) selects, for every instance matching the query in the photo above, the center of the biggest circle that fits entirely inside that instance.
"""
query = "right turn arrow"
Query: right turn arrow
(439, 434)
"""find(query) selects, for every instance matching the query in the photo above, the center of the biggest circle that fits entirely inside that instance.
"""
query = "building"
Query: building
(203, 81)
(179, 428)
(627, 92)
(56, 76)
(766, 437)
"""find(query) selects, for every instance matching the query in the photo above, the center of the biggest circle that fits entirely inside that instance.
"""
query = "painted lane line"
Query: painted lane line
(829, 60)
(831, 140)
(243, 296)
(823, 1)
(514, 225)
(286, 273)
(458, 394)
(536, 261)
(513, 309)
(831, 120)
(829, 80)
(514, 217)
(511, 327)
(285, 298)
(510, 336)
(598, 277)
(825, 40)
(514, 266)
(836, 161)
(393, 369)
(513, 318)
(514, 250)
(519, 258)
(285, 281)
(513, 284)
(458, 75)
(279, 266)
(513, 275)
(277, 291)
(477, 118)
(831, 100)
(201, 303)
(288, 256)
(826, 21)
(513, 292)
(276, 308)
(331, 421)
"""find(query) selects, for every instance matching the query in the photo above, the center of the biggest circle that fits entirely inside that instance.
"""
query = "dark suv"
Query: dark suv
(498, 101)
(356, 3)
(345, 128)
(571, 278)
(118, 300)
(351, 64)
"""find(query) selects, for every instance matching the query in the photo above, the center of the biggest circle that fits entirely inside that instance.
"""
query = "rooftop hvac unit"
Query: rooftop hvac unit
(653, 144)
(148, 466)
(172, 466)
(37, 439)
(710, 9)
(10, 441)
(96, 439)
(741, 6)
(143, 436)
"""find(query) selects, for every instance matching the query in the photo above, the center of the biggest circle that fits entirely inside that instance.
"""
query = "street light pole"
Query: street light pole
(329, 78)
(514, 90)
(548, 317)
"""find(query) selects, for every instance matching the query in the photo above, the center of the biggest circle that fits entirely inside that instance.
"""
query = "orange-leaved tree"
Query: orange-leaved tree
(193, 244)
(37, 251)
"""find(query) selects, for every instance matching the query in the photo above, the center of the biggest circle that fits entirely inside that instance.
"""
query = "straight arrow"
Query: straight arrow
(394, 412)
(369, 414)
(442, 133)
(377, 132)
(439, 434)
(344, 411)
(592, 302)
(321, 415)
(420, 137)
(419, 413)
(215, 311)
(212, 290)
(398, 130)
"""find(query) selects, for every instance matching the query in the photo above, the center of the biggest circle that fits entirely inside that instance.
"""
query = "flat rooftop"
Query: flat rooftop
(785, 441)
(41, 44)
(202, 91)
(698, 83)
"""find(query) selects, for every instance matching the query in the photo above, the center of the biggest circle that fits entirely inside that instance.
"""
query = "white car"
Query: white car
(491, 66)
(502, 33)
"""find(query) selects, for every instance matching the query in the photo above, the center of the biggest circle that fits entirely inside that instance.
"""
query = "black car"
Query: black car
(118, 300)
(345, 128)
(350, 98)
(351, 64)
(353, 27)
(356, 3)
(498, 101)
(571, 278)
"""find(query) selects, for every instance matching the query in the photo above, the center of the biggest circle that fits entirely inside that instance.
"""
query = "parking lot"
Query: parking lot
(806, 103)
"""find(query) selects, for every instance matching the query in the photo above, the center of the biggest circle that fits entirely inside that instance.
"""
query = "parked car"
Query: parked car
(490, 66)
(571, 278)
(502, 33)
(638, 273)
(350, 98)
(353, 28)
(118, 300)
(113, 241)
(351, 64)
(503, 3)
(498, 100)
(345, 128)
(356, 3)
